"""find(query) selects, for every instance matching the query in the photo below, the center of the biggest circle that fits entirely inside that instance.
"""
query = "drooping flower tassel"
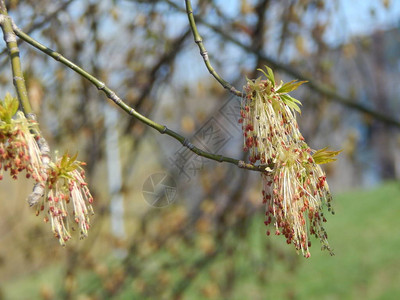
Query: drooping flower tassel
(66, 198)
(60, 188)
(295, 190)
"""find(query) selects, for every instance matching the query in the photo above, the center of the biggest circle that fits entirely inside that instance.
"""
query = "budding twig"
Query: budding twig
(314, 85)
(6, 24)
(203, 52)
(131, 111)
(13, 52)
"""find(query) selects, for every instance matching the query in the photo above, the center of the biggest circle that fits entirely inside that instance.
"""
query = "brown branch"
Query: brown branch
(258, 36)
(166, 59)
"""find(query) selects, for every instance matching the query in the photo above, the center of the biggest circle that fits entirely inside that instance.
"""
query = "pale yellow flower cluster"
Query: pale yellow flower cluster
(18, 149)
(57, 184)
(66, 184)
(295, 188)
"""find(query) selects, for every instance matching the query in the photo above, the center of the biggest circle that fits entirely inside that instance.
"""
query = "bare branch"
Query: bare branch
(131, 111)
(320, 88)
(203, 51)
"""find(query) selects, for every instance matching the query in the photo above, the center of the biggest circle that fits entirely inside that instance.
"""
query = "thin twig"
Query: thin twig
(320, 88)
(199, 41)
(13, 53)
(22, 93)
(118, 101)
(36, 25)
(165, 60)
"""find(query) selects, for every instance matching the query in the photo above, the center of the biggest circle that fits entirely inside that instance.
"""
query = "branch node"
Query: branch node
(234, 90)
(13, 50)
(17, 78)
(164, 130)
(101, 85)
(13, 25)
(205, 55)
(115, 98)
(188, 144)
(10, 37)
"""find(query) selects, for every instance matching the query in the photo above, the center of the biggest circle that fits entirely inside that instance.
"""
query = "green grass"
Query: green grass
(364, 234)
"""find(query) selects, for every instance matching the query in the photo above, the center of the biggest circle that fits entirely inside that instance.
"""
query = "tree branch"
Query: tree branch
(165, 60)
(22, 93)
(118, 101)
(258, 37)
(13, 52)
(199, 41)
(36, 25)
(320, 88)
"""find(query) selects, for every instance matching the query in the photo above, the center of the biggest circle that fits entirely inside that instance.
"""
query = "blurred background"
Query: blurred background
(168, 224)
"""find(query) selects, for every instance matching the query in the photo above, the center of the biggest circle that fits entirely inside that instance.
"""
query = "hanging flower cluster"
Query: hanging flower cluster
(18, 149)
(295, 188)
(65, 185)
(60, 187)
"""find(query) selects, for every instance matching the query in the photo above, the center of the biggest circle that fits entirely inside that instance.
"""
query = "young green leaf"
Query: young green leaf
(73, 158)
(324, 156)
(3, 113)
(290, 86)
(64, 160)
(8, 108)
(11, 104)
(291, 102)
(270, 74)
